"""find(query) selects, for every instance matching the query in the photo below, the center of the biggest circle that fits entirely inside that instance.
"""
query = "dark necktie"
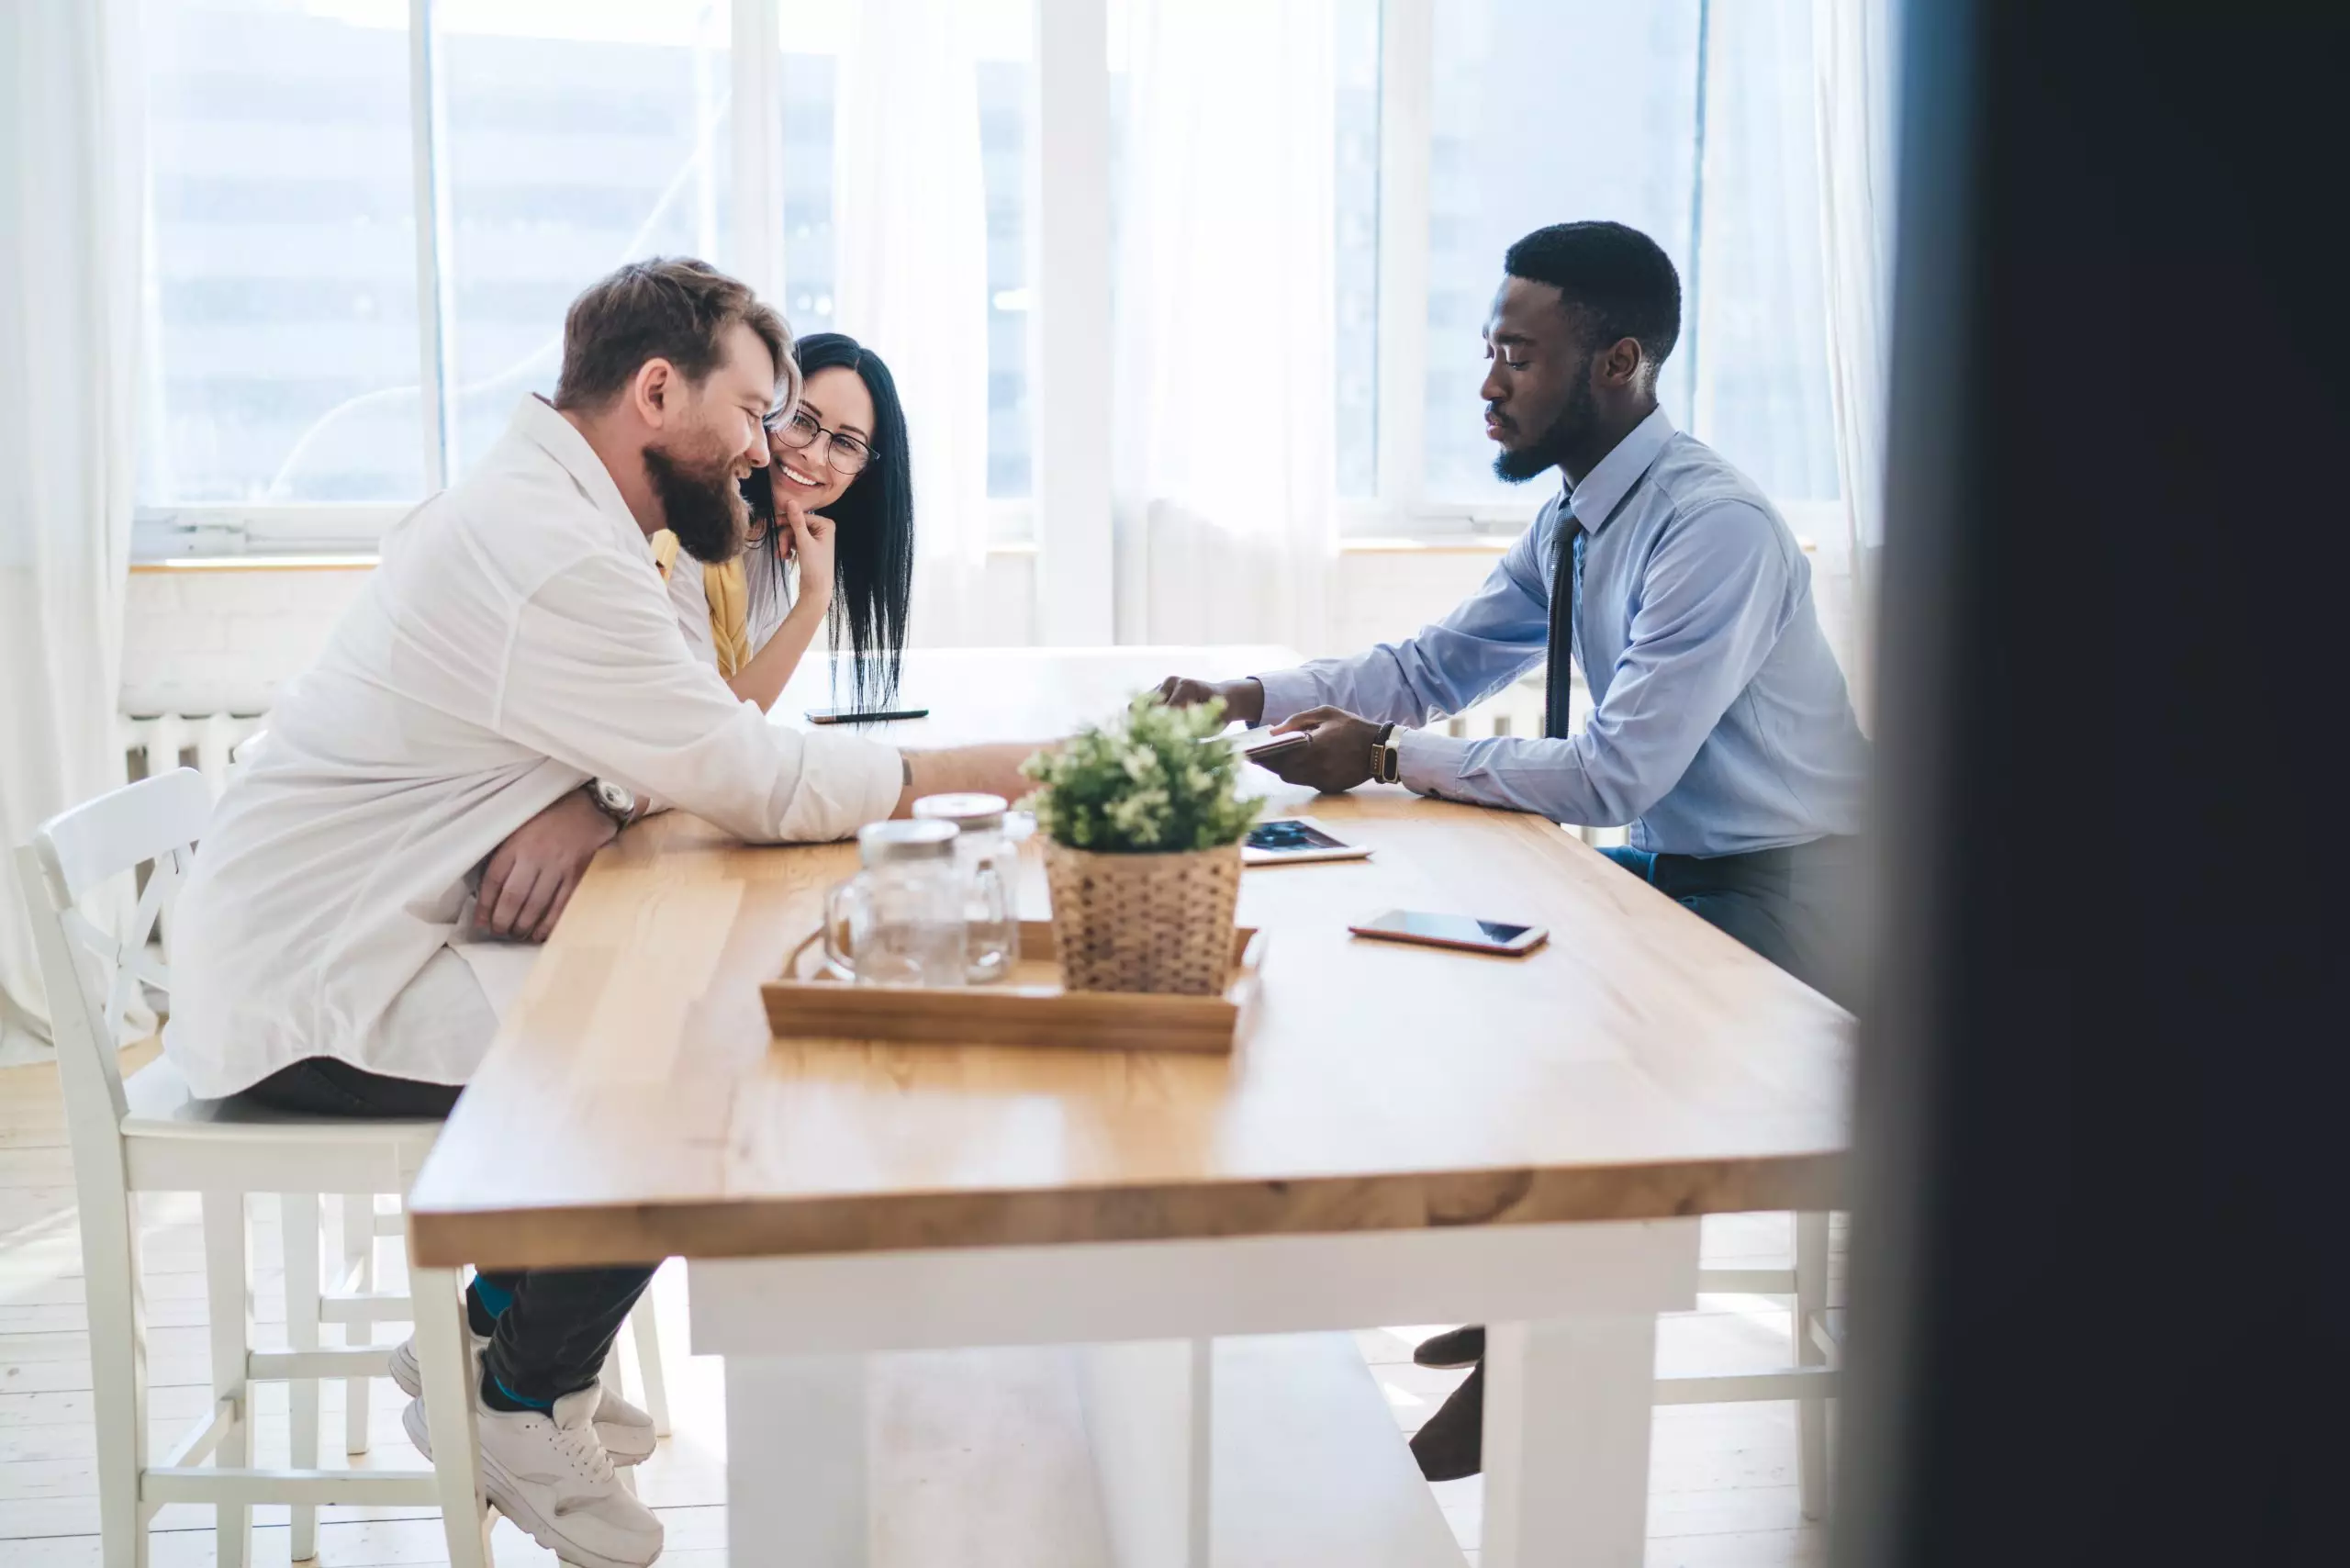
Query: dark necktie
(1566, 613)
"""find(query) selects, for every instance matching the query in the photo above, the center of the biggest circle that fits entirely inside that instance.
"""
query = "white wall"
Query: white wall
(221, 638)
(206, 639)
(212, 639)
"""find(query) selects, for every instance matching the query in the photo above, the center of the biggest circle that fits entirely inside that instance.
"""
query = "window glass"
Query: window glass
(1761, 393)
(1357, 247)
(808, 251)
(813, 35)
(1544, 111)
(279, 358)
(580, 134)
(1005, 41)
(1355, 224)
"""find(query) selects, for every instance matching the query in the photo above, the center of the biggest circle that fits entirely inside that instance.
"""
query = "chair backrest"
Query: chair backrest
(154, 822)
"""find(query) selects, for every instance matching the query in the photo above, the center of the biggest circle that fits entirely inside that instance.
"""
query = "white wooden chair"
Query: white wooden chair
(353, 1302)
(149, 1134)
(1811, 1382)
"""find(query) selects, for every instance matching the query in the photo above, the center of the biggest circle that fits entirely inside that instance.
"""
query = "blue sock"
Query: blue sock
(515, 1399)
(497, 1397)
(486, 1303)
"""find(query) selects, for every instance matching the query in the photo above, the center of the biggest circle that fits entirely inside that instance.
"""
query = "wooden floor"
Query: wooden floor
(1722, 1481)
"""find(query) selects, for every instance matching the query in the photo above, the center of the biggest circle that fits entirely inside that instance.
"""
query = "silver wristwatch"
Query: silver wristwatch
(1386, 765)
(617, 801)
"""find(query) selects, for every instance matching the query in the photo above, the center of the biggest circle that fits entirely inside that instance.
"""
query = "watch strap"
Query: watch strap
(618, 818)
(1384, 766)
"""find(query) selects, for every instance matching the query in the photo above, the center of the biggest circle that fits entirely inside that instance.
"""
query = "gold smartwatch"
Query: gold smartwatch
(1386, 766)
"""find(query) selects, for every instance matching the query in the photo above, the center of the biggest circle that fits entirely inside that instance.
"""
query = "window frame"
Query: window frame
(1403, 509)
(1061, 521)
(231, 529)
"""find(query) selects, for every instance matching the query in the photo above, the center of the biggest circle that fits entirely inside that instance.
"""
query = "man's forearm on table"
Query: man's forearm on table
(1547, 778)
(990, 769)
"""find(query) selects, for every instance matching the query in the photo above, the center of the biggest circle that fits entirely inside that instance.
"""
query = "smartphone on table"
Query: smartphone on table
(1461, 932)
(851, 716)
(1282, 839)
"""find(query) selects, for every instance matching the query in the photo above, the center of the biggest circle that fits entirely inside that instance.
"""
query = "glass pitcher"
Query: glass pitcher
(901, 920)
(988, 864)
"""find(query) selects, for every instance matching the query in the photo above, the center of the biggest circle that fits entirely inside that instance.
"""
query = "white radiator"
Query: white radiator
(1518, 709)
(1514, 709)
(155, 743)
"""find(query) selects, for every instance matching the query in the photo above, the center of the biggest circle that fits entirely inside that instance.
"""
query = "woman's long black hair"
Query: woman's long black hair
(873, 550)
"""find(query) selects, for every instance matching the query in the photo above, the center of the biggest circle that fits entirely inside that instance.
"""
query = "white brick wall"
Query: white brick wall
(206, 639)
(215, 639)
(212, 639)
(1386, 594)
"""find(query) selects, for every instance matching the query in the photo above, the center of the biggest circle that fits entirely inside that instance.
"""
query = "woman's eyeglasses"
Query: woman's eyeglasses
(847, 454)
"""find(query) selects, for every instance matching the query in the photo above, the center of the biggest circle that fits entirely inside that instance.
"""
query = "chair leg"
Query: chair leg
(300, 1217)
(229, 1300)
(647, 1326)
(118, 1370)
(359, 1248)
(436, 1297)
(1811, 1415)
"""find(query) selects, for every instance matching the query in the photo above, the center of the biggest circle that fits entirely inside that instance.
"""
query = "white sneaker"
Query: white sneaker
(547, 1473)
(627, 1432)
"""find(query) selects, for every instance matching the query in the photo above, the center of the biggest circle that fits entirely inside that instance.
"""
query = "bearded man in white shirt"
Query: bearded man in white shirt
(511, 690)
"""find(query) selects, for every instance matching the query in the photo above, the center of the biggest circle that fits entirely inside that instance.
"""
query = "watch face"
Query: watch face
(614, 798)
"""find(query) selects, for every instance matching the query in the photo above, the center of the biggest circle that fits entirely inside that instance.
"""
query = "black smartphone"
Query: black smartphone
(1255, 746)
(1458, 931)
(851, 716)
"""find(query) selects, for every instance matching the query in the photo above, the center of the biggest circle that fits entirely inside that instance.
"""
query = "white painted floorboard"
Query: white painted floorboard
(1722, 1484)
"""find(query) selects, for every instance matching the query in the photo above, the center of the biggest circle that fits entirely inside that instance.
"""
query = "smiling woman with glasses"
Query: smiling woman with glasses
(832, 538)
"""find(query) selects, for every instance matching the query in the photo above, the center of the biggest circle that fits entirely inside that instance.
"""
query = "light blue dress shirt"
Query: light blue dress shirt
(1721, 723)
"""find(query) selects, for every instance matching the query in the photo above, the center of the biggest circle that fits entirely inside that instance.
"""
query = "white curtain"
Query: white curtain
(910, 208)
(70, 223)
(1224, 458)
(1855, 52)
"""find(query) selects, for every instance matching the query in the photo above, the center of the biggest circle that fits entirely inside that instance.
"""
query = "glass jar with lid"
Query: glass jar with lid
(988, 863)
(901, 920)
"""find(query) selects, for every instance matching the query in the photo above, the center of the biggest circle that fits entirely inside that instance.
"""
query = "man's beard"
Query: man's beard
(701, 505)
(1517, 466)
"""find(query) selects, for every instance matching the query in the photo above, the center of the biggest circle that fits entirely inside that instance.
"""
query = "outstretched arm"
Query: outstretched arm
(990, 769)
(1487, 640)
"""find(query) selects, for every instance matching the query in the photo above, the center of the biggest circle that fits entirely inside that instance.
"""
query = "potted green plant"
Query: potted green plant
(1142, 820)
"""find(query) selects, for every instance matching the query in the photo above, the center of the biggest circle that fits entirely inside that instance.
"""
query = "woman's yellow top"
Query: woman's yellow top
(729, 593)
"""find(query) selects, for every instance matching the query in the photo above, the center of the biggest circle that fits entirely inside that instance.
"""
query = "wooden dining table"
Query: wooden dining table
(1402, 1135)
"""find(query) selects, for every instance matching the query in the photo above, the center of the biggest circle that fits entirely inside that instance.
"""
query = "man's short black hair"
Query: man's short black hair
(1619, 279)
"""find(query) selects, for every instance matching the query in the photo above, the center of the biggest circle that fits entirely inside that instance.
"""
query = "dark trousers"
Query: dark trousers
(1799, 907)
(553, 1339)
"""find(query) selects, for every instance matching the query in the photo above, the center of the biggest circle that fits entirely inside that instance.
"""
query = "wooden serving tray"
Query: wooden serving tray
(1028, 1007)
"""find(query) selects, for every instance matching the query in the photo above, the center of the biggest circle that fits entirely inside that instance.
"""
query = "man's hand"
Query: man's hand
(1243, 700)
(1337, 755)
(528, 879)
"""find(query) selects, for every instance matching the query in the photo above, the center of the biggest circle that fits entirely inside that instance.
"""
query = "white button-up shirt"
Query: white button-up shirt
(515, 642)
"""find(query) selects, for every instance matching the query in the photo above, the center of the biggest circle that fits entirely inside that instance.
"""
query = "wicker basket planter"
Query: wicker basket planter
(1156, 922)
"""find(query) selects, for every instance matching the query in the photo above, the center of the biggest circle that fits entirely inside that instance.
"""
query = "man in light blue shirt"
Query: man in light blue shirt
(1721, 732)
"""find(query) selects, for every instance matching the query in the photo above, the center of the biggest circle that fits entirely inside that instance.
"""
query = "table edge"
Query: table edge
(613, 1234)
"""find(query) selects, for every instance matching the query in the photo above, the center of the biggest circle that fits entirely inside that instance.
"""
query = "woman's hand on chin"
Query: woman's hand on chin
(811, 538)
